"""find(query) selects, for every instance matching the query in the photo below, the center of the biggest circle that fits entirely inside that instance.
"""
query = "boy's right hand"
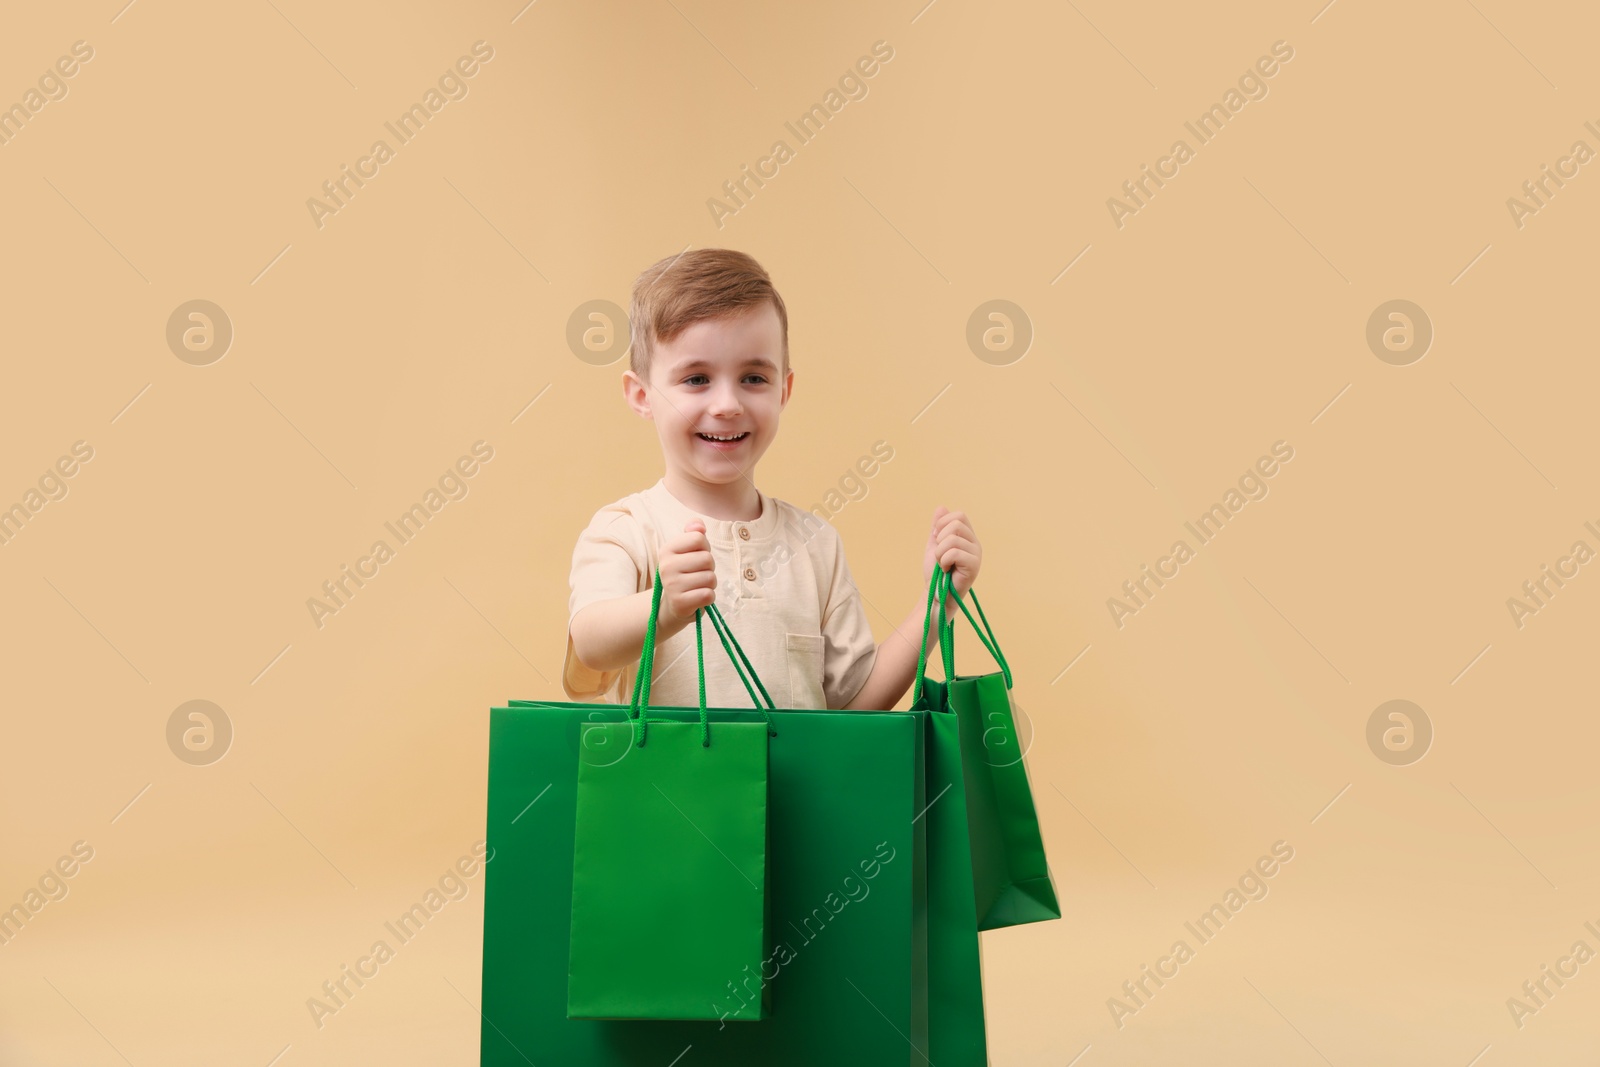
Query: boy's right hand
(688, 574)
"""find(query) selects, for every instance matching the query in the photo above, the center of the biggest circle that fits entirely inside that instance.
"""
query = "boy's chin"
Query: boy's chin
(717, 469)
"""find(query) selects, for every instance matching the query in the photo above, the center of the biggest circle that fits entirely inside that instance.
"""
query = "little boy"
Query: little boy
(710, 367)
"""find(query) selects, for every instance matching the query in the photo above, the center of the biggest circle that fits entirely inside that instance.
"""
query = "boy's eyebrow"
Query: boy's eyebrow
(753, 361)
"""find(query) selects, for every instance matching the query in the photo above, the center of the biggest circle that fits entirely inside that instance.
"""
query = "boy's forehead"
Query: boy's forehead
(701, 362)
(747, 341)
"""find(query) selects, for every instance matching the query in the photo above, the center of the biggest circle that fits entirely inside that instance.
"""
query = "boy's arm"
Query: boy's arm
(609, 634)
(953, 547)
(895, 668)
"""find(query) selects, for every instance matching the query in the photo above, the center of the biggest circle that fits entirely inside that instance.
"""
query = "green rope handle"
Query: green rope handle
(943, 589)
(942, 585)
(638, 707)
(726, 633)
(985, 633)
(934, 587)
(641, 681)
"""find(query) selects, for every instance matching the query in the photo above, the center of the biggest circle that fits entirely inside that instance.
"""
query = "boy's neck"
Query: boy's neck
(737, 501)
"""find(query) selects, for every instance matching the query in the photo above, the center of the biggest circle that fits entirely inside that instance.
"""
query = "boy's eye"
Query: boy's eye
(696, 379)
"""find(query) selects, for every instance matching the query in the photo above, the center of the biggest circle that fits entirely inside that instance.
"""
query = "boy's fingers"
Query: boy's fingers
(957, 520)
(688, 541)
(955, 557)
(949, 541)
(692, 562)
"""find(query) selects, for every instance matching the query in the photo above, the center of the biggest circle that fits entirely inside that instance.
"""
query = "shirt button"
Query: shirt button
(750, 574)
(744, 533)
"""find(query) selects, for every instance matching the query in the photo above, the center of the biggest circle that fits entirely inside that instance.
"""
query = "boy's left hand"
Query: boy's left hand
(953, 547)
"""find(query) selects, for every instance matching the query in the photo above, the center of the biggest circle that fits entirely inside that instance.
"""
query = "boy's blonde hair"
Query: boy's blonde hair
(702, 283)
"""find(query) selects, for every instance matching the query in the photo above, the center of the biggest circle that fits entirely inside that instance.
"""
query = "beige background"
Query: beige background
(431, 311)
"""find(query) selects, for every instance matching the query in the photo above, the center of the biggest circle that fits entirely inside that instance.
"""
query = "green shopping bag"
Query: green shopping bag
(1010, 875)
(669, 863)
(848, 884)
(956, 1028)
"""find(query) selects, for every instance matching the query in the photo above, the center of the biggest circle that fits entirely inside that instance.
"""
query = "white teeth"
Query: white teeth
(713, 437)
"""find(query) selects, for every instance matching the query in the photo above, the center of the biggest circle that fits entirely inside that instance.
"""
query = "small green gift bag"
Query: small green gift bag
(670, 899)
(1011, 877)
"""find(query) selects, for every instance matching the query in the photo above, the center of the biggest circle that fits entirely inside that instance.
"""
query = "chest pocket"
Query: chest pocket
(804, 653)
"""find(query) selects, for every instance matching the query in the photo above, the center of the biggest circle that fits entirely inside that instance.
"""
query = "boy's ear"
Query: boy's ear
(633, 391)
(788, 389)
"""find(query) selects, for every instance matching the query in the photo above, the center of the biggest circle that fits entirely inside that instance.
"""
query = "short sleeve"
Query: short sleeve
(849, 650)
(607, 563)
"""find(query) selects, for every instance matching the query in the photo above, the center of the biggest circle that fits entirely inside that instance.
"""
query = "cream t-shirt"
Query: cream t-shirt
(783, 587)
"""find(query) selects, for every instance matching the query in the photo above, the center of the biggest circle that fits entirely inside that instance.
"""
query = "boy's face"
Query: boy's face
(721, 377)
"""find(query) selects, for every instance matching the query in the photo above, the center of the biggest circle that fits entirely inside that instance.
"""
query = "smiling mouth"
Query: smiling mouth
(728, 440)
